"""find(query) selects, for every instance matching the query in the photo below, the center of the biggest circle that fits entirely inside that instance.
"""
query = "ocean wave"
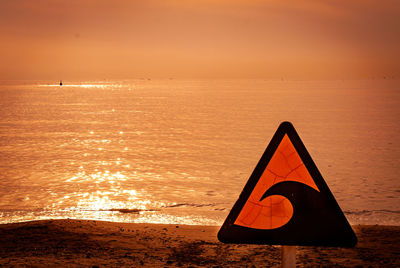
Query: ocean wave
(191, 205)
(367, 212)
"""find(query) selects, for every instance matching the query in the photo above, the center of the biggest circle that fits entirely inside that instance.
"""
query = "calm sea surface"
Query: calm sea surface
(174, 151)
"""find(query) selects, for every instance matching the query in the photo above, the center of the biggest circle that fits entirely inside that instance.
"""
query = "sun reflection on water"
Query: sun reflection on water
(92, 85)
(112, 199)
(99, 176)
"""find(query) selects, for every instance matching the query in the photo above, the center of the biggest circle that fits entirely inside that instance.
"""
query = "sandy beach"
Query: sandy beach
(98, 243)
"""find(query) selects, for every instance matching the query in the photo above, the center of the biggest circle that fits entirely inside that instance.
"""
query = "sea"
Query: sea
(180, 151)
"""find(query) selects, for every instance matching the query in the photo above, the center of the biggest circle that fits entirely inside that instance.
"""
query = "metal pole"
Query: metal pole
(288, 256)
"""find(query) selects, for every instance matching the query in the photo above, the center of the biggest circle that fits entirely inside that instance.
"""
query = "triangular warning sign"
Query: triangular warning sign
(286, 201)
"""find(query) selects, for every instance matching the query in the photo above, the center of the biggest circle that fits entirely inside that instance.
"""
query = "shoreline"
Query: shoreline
(89, 243)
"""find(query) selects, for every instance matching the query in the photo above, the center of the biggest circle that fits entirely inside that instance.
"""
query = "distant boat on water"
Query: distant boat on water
(60, 83)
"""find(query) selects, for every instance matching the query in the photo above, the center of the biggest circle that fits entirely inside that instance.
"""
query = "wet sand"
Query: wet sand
(97, 243)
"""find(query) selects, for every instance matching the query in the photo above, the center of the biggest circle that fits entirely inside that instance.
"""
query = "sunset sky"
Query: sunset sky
(122, 39)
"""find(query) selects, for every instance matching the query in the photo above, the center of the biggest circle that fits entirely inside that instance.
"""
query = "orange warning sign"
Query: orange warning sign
(276, 210)
(286, 201)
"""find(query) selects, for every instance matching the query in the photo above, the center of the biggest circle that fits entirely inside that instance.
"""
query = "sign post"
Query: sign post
(288, 256)
(287, 202)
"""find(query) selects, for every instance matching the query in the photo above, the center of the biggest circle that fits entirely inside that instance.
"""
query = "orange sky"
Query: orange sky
(294, 39)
